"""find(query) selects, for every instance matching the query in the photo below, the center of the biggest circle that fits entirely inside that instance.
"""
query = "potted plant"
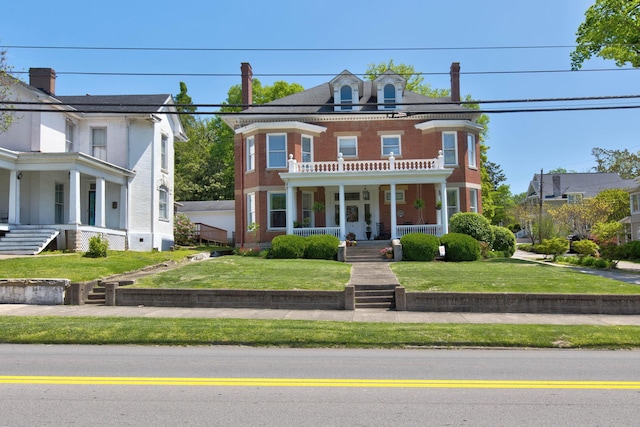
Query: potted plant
(438, 205)
(351, 239)
(419, 204)
(318, 207)
(387, 252)
(367, 219)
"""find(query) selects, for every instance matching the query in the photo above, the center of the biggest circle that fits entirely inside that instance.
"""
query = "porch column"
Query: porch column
(74, 197)
(443, 211)
(291, 208)
(123, 207)
(14, 198)
(100, 203)
(343, 213)
(394, 221)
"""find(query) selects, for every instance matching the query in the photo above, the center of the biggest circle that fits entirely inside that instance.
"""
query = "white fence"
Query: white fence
(312, 231)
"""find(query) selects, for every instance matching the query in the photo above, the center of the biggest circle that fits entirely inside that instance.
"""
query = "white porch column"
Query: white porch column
(291, 208)
(443, 211)
(74, 197)
(100, 203)
(124, 207)
(343, 213)
(14, 198)
(394, 221)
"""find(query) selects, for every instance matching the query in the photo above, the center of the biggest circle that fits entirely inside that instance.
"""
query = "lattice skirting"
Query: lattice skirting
(117, 242)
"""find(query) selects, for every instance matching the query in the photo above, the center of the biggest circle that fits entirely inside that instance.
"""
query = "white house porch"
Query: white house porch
(355, 190)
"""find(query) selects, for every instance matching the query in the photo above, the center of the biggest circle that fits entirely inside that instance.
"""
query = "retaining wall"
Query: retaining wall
(33, 291)
(517, 303)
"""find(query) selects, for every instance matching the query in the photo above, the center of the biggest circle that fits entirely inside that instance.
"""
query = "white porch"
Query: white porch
(363, 182)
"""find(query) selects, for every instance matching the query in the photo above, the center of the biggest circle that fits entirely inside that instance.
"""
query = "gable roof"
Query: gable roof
(117, 103)
(557, 186)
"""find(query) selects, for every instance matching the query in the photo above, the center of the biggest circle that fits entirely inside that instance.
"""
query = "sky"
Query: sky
(374, 31)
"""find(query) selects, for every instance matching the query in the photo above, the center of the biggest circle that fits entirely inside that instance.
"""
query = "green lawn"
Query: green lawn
(303, 333)
(77, 268)
(236, 272)
(503, 275)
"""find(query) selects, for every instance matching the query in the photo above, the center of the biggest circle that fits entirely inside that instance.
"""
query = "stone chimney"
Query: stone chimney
(43, 79)
(455, 81)
(247, 85)
(557, 191)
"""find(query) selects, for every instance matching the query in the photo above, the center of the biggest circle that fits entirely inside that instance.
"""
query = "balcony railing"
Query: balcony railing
(392, 164)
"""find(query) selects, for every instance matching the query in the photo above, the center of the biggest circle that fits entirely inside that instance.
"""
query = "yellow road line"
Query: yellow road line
(319, 382)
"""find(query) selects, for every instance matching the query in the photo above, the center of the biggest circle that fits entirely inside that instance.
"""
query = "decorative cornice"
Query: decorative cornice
(293, 125)
(435, 125)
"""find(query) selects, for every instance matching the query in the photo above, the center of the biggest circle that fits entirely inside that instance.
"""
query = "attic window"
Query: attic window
(389, 96)
(346, 97)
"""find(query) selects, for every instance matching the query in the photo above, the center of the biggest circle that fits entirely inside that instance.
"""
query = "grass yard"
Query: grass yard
(77, 268)
(237, 272)
(503, 275)
(308, 334)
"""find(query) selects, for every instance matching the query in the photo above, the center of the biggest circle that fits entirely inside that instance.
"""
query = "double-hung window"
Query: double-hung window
(389, 93)
(348, 146)
(453, 205)
(473, 200)
(99, 143)
(70, 136)
(276, 150)
(164, 146)
(471, 150)
(251, 154)
(450, 148)
(251, 209)
(277, 210)
(346, 97)
(163, 205)
(635, 203)
(307, 148)
(391, 144)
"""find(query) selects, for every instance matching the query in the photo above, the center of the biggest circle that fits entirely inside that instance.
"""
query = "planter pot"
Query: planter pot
(368, 235)
(388, 256)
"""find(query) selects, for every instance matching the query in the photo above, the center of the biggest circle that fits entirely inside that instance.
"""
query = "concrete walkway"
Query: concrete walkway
(372, 273)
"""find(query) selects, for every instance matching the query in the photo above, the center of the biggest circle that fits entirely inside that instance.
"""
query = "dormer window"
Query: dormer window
(389, 96)
(346, 97)
(346, 89)
(389, 89)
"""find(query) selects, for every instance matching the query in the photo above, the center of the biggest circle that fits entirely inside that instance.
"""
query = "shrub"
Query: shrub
(556, 246)
(322, 246)
(251, 252)
(504, 241)
(97, 247)
(184, 231)
(472, 224)
(527, 247)
(419, 247)
(288, 246)
(585, 247)
(460, 247)
(632, 249)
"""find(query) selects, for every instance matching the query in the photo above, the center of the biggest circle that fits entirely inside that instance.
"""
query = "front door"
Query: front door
(355, 213)
(92, 204)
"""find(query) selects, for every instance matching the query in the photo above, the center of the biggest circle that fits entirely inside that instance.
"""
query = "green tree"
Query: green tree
(185, 105)
(617, 201)
(415, 80)
(6, 115)
(623, 162)
(611, 30)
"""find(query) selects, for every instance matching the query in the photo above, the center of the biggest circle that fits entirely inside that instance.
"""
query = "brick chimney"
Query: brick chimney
(43, 79)
(247, 85)
(455, 81)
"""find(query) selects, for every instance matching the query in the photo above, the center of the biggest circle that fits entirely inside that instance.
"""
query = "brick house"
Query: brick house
(72, 167)
(349, 156)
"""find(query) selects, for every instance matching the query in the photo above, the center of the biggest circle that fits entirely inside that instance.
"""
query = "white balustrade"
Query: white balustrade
(312, 231)
(365, 165)
(433, 229)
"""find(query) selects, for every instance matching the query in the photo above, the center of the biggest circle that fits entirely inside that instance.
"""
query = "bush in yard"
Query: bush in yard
(504, 241)
(419, 247)
(632, 249)
(97, 247)
(288, 246)
(585, 247)
(472, 224)
(460, 247)
(322, 246)
(556, 246)
(184, 231)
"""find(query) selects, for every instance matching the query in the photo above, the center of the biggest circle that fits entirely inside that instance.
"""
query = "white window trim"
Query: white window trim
(251, 154)
(164, 152)
(471, 151)
(284, 166)
(310, 146)
(473, 200)
(391, 105)
(163, 215)
(251, 209)
(69, 136)
(312, 219)
(348, 137)
(455, 147)
(103, 146)
(635, 196)
(457, 200)
(269, 194)
(382, 137)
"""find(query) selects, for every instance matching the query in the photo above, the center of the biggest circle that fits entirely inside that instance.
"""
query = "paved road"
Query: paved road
(107, 385)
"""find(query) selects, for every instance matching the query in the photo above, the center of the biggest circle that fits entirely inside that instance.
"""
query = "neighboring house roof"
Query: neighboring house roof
(557, 186)
(205, 206)
(117, 103)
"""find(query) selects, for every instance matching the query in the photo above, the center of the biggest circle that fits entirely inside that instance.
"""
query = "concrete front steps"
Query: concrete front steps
(26, 241)
(366, 251)
(375, 296)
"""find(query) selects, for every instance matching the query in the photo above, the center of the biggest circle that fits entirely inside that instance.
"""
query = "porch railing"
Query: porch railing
(211, 234)
(366, 165)
(311, 231)
(433, 229)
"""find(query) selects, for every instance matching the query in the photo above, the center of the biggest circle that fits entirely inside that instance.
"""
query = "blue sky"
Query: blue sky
(520, 143)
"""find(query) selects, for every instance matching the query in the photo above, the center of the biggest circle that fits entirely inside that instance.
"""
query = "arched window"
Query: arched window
(346, 97)
(389, 96)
